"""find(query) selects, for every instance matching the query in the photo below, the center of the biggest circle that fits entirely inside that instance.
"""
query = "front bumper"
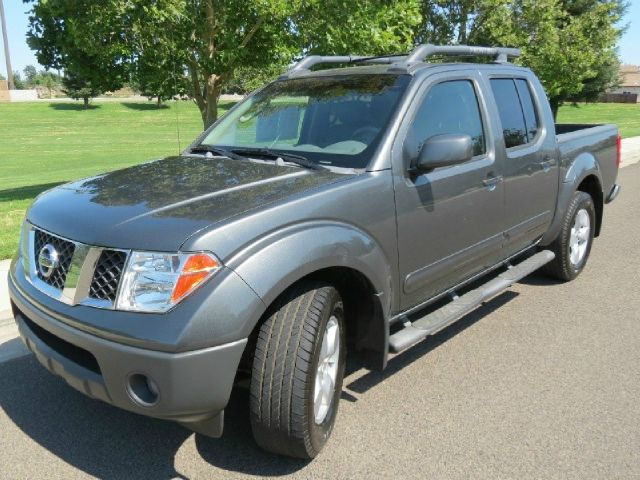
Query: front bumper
(191, 387)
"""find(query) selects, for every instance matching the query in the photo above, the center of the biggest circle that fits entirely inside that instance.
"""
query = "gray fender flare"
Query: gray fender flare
(584, 165)
(276, 261)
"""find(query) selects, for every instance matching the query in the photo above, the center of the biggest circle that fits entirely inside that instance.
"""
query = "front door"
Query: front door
(450, 219)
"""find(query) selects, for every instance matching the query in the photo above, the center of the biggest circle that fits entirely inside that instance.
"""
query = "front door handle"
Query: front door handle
(492, 183)
(547, 164)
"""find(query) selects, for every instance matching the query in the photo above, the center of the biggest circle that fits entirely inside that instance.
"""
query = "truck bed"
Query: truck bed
(598, 141)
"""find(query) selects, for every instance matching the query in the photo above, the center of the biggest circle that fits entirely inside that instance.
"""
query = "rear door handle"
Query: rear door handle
(492, 183)
(547, 164)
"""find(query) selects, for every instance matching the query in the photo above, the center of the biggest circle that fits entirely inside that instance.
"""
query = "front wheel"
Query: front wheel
(298, 369)
(573, 245)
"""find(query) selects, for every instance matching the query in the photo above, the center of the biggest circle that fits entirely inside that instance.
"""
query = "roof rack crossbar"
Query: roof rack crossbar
(500, 54)
(307, 62)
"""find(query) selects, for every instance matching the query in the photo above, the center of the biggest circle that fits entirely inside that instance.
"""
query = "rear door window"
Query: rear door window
(510, 110)
(528, 108)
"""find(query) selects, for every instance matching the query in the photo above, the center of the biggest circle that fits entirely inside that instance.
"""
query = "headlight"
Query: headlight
(155, 282)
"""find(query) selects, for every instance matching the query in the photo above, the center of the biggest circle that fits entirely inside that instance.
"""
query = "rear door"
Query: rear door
(450, 219)
(530, 166)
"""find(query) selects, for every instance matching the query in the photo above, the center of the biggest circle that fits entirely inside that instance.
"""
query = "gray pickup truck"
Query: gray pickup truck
(353, 210)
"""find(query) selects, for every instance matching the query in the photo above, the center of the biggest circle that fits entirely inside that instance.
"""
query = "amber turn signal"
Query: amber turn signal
(197, 268)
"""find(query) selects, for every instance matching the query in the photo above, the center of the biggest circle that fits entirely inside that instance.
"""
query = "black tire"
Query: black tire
(284, 369)
(562, 267)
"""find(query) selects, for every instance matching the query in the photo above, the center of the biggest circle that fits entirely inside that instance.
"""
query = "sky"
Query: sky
(21, 55)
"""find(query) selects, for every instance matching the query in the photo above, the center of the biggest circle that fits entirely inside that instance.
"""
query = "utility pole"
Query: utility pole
(7, 56)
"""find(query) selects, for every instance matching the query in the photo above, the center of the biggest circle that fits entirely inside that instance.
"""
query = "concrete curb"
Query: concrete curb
(5, 305)
(10, 345)
(630, 151)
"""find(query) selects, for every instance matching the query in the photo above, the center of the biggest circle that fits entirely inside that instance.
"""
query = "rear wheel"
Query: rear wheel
(573, 245)
(297, 371)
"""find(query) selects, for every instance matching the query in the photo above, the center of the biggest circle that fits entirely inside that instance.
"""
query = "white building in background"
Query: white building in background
(7, 95)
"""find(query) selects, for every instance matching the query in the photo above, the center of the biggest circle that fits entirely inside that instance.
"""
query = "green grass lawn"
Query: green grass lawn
(42, 144)
(625, 115)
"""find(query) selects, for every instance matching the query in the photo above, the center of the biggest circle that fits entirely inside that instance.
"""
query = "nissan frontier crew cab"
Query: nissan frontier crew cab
(352, 210)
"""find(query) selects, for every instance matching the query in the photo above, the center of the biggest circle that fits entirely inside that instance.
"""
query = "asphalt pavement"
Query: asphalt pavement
(542, 382)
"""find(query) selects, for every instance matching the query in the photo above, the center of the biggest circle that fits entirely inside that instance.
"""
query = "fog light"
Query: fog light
(143, 390)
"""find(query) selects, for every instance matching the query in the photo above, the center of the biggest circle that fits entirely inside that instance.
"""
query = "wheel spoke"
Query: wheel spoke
(327, 389)
(326, 370)
(332, 339)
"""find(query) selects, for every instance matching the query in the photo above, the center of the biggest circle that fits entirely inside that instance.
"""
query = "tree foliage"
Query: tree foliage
(570, 44)
(84, 38)
(202, 47)
(18, 81)
(156, 43)
(78, 87)
(30, 73)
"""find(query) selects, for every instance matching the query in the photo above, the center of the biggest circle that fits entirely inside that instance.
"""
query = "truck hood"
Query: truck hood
(158, 205)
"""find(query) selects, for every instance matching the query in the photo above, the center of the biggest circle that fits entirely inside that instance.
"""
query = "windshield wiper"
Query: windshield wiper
(203, 148)
(287, 157)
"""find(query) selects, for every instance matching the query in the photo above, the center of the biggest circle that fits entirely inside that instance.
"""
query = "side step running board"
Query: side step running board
(435, 321)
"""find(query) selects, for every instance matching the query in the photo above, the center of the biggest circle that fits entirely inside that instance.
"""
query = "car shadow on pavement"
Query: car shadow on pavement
(106, 442)
(237, 451)
(398, 362)
(539, 279)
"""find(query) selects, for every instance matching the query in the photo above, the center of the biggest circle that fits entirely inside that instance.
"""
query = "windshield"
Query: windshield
(334, 120)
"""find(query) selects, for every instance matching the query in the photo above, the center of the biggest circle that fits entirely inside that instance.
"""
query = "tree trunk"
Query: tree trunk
(86, 103)
(159, 101)
(207, 100)
(214, 85)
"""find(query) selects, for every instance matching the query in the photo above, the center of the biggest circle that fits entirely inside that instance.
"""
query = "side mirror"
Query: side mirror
(444, 150)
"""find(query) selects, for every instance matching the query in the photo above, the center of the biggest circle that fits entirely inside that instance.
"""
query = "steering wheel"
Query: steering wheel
(365, 134)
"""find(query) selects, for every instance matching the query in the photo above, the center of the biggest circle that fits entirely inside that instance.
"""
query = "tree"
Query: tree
(566, 42)
(30, 73)
(77, 88)
(47, 80)
(83, 38)
(155, 75)
(18, 82)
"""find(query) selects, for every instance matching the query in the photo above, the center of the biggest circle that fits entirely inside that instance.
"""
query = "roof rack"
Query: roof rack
(501, 54)
(419, 54)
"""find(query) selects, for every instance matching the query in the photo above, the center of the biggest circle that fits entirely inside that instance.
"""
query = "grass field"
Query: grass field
(625, 115)
(42, 144)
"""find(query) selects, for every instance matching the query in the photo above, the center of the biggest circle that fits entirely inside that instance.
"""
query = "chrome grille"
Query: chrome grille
(84, 275)
(106, 276)
(65, 251)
